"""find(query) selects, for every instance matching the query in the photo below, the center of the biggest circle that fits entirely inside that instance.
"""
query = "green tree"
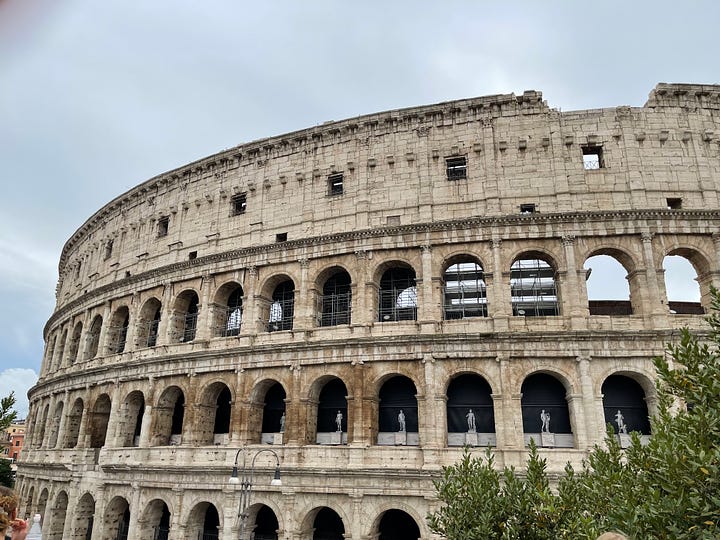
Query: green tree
(668, 488)
(7, 414)
(7, 477)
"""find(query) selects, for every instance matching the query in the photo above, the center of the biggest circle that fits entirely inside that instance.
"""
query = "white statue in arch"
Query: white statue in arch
(544, 421)
(282, 423)
(470, 417)
(620, 419)
(401, 420)
(338, 420)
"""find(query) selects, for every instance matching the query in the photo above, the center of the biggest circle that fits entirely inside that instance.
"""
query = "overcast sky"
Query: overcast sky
(97, 96)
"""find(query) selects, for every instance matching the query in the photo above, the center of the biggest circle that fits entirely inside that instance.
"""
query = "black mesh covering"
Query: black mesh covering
(222, 413)
(266, 524)
(398, 525)
(273, 409)
(332, 400)
(544, 392)
(470, 392)
(398, 394)
(328, 526)
(624, 394)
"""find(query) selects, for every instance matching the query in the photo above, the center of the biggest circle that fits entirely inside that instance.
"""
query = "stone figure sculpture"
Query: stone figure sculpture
(470, 416)
(545, 421)
(338, 420)
(401, 420)
(282, 423)
(620, 419)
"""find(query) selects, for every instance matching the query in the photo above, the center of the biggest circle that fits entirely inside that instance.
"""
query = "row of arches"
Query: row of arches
(205, 520)
(324, 416)
(533, 287)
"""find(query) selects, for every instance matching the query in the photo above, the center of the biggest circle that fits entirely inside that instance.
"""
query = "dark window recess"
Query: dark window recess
(674, 203)
(281, 237)
(192, 255)
(162, 226)
(335, 184)
(456, 168)
(592, 157)
(527, 208)
(238, 204)
(108, 249)
(127, 273)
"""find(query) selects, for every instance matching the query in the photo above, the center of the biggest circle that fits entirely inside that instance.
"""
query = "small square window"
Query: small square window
(162, 226)
(674, 203)
(456, 168)
(592, 157)
(192, 255)
(238, 204)
(281, 237)
(335, 184)
(528, 208)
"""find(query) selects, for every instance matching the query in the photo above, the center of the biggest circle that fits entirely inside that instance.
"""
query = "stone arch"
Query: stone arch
(93, 338)
(148, 324)
(72, 424)
(545, 393)
(99, 420)
(534, 288)
(268, 411)
(131, 418)
(75, 343)
(42, 424)
(118, 330)
(58, 511)
(227, 309)
(214, 410)
(625, 395)
(42, 504)
(397, 412)
(325, 523)
(464, 288)
(156, 520)
(183, 325)
(683, 296)
(83, 518)
(29, 501)
(470, 411)
(116, 519)
(396, 524)
(334, 302)
(50, 353)
(278, 307)
(328, 408)
(168, 417)
(60, 349)
(204, 521)
(263, 522)
(397, 291)
(603, 265)
(55, 425)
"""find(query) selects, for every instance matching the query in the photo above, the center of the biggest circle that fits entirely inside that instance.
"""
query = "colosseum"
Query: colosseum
(289, 339)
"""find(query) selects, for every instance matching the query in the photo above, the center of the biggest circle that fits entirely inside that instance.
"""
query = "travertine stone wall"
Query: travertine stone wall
(104, 435)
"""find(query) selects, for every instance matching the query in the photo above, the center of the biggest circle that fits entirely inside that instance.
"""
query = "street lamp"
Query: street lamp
(246, 482)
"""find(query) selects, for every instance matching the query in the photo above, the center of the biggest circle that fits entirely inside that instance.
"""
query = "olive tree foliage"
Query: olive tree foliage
(668, 488)
(7, 414)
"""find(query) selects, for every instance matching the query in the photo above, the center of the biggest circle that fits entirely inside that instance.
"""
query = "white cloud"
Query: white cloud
(18, 380)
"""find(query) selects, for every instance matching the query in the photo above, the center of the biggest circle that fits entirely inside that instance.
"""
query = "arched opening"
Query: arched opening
(117, 333)
(83, 518)
(398, 412)
(61, 350)
(273, 415)
(99, 421)
(282, 307)
(397, 298)
(42, 505)
(470, 412)
(29, 501)
(169, 416)
(148, 323)
(185, 317)
(156, 525)
(681, 285)
(397, 525)
(228, 309)
(55, 425)
(58, 511)
(213, 420)
(133, 411)
(336, 300)
(50, 354)
(42, 424)
(546, 417)
(72, 424)
(75, 343)
(93, 338)
(332, 413)
(266, 524)
(607, 286)
(533, 288)
(624, 405)
(116, 520)
(464, 290)
(204, 522)
(328, 525)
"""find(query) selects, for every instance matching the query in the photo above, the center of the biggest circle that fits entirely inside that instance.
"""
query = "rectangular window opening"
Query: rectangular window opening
(192, 255)
(456, 168)
(674, 203)
(335, 184)
(528, 208)
(238, 204)
(281, 237)
(592, 157)
(162, 226)
(108, 249)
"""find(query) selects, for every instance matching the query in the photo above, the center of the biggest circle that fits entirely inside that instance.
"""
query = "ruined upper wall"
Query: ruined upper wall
(518, 151)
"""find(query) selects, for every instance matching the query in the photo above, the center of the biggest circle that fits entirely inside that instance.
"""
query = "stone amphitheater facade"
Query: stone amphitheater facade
(346, 295)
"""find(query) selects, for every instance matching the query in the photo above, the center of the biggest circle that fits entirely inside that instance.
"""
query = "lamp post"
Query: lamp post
(246, 482)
